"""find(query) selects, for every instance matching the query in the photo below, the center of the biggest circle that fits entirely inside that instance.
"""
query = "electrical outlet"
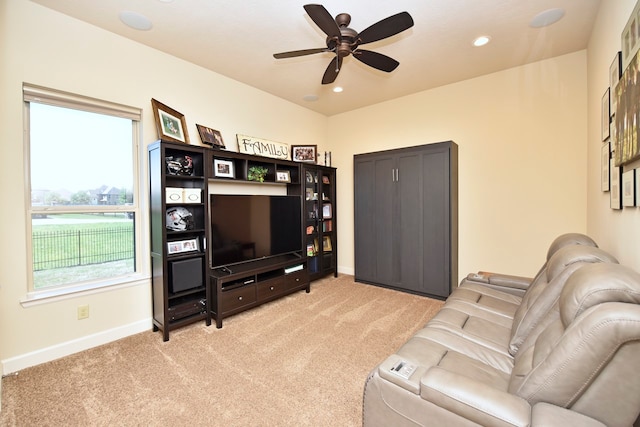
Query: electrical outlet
(83, 311)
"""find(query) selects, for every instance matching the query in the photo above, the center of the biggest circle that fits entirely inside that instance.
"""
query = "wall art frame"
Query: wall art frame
(170, 124)
(304, 153)
(615, 72)
(605, 115)
(210, 136)
(615, 193)
(629, 188)
(605, 159)
(627, 148)
(630, 37)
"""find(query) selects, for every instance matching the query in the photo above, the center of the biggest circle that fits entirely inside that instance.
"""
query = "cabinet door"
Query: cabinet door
(374, 207)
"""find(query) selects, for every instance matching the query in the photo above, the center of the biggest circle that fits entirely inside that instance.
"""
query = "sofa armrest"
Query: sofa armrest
(474, 400)
(545, 414)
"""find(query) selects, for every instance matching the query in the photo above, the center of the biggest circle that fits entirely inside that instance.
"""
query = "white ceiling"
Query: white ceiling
(237, 38)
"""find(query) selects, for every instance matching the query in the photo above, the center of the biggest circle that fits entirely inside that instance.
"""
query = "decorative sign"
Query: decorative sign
(262, 147)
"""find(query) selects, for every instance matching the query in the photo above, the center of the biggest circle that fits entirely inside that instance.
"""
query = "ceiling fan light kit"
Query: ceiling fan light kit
(344, 41)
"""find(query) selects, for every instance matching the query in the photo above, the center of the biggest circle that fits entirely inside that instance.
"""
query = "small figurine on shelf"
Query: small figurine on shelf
(257, 173)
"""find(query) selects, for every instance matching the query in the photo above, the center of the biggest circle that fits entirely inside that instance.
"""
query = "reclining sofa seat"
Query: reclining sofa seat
(464, 378)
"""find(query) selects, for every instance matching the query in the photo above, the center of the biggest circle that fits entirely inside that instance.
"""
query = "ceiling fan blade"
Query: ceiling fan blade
(376, 60)
(386, 28)
(332, 71)
(295, 53)
(323, 19)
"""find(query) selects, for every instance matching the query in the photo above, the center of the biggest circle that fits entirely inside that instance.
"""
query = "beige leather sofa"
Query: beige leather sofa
(561, 349)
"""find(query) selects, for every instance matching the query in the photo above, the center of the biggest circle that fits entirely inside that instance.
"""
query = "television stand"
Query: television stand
(247, 285)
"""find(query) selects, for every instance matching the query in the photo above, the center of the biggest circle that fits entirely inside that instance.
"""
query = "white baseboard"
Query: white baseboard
(346, 270)
(15, 364)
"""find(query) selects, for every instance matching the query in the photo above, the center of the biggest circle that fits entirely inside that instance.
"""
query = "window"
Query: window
(82, 157)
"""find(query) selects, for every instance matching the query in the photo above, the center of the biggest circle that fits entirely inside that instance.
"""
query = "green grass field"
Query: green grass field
(72, 248)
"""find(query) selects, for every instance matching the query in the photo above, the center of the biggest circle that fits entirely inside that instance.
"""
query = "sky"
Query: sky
(76, 150)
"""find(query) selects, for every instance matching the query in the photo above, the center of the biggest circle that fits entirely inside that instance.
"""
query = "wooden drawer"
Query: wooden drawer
(237, 298)
(297, 279)
(270, 288)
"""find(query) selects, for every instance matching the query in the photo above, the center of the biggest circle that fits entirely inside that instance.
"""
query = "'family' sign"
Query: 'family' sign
(262, 147)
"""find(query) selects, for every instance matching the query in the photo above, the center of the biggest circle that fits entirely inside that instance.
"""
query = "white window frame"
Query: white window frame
(43, 95)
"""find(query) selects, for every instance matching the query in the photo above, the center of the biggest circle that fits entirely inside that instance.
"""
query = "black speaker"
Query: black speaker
(185, 274)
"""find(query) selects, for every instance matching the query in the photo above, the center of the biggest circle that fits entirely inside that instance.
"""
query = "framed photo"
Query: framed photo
(210, 136)
(283, 176)
(326, 244)
(615, 71)
(638, 187)
(604, 169)
(325, 179)
(626, 135)
(304, 153)
(606, 115)
(629, 188)
(180, 246)
(223, 168)
(326, 211)
(170, 124)
(630, 38)
(616, 190)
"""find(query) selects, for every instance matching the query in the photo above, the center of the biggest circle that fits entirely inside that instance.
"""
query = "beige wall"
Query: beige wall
(615, 231)
(522, 156)
(50, 49)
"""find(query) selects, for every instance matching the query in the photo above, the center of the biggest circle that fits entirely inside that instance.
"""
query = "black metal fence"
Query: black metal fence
(70, 248)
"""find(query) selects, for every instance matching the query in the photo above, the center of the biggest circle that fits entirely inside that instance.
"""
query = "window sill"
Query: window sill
(58, 294)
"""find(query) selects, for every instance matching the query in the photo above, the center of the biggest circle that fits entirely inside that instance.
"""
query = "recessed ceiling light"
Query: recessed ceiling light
(337, 89)
(546, 18)
(481, 41)
(135, 20)
(310, 98)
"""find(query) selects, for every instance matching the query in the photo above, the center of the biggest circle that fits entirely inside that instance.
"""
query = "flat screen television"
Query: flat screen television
(248, 227)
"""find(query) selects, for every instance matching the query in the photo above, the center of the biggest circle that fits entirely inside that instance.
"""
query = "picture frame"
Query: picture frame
(170, 124)
(605, 158)
(223, 168)
(630, 37)
(615, 72)
(325, 180)
(304, 153)
(327, 211)
(210, 136)
(626, 134)
(605, 115)
(615, 192)
(637, 186)
(326, 244)
(629, 188)
(180, 246)
(283, 176)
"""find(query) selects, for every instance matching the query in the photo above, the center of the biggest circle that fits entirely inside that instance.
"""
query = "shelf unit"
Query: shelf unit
(319, 219)
(230, 166)
(178, 206)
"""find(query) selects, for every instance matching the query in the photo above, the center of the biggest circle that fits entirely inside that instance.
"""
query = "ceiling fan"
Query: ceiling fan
(344, 41)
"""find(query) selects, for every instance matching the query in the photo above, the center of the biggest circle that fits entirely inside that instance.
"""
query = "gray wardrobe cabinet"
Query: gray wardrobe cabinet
(406, 218)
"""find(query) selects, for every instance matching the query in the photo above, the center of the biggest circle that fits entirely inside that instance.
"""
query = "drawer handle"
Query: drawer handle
(297, 279)
(239, 298)
(271, 288)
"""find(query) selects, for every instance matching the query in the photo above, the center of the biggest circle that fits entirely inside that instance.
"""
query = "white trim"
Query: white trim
(61, 293)
(15, 364)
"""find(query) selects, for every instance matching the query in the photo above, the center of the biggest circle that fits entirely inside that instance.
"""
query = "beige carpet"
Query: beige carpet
(298, 361)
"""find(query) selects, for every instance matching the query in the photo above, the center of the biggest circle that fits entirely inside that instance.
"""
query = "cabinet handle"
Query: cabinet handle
(240, 298)
(297, 279)
(271, 288)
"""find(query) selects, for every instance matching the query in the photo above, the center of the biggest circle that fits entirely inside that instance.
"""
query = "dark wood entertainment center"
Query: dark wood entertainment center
(186, 286)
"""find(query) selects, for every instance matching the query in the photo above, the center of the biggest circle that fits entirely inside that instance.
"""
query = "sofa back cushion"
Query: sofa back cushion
(540, 298)
(588, 357)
